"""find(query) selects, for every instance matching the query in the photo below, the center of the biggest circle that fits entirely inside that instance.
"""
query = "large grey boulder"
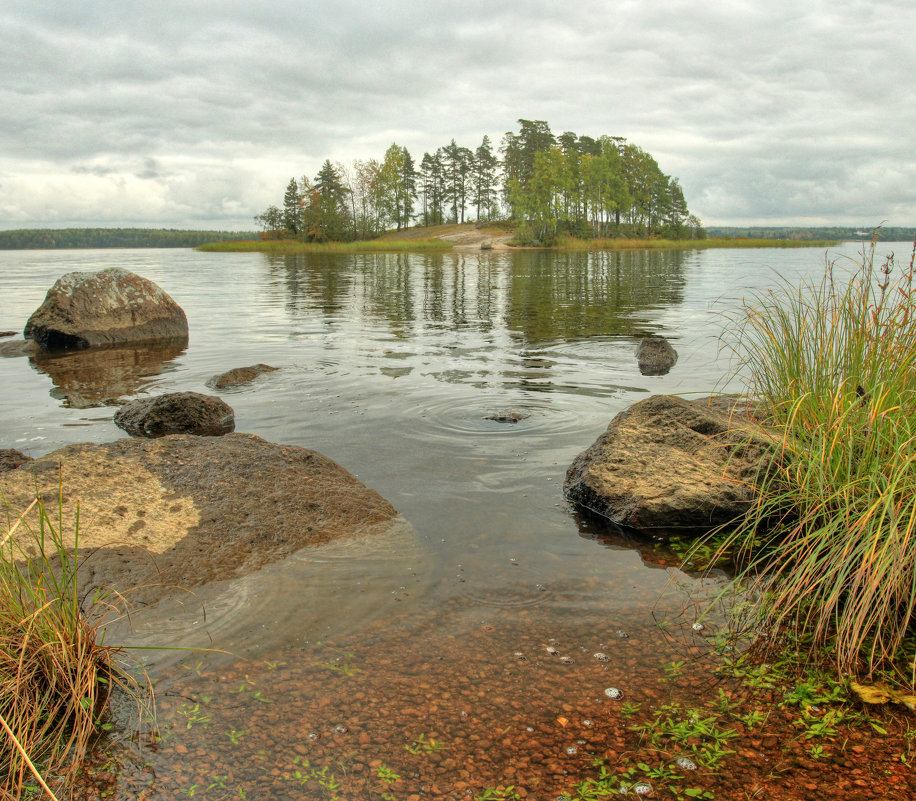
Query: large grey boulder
(176, 413)
(668, 464)
(110, 307)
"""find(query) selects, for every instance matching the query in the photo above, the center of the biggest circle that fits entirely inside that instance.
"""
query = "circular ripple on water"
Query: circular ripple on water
(514, 587)
(333, 589)
(446, 415)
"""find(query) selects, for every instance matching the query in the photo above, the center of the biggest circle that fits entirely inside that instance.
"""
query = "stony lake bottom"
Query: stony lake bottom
(457, 653)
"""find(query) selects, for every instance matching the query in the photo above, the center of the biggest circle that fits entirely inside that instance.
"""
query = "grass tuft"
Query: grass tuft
(56, 676)
(830, 545)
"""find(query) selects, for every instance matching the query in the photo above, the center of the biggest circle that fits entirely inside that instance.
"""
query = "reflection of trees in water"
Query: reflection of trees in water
(104, 376)
(536, 296)
(568, 296)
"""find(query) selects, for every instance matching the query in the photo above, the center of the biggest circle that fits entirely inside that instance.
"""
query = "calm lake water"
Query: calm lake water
(352, 658)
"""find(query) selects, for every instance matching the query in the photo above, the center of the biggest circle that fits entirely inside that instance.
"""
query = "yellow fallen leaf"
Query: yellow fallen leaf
(882, 694)
(562, 721)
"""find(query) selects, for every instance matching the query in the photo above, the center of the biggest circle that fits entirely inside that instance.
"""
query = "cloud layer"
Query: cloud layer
(196, 114)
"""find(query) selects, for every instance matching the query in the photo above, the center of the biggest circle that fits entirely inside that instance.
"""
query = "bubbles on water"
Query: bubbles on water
(613, 693)
(686, 763)
(601, 656)
(541, 588)
(513, 560)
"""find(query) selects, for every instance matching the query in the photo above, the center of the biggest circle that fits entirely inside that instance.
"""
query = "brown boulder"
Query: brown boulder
(181, 511)
(10, 459)
(667, 463)
(176, 413)
(109, 307)
(655, 356)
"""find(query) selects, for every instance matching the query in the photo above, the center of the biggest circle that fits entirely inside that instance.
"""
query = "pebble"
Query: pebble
(602, 657)
(613, 693)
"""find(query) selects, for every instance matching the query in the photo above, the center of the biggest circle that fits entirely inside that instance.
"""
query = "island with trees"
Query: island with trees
(546, 186)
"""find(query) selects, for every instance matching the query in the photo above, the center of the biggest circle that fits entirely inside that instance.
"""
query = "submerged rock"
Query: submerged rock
(18, 347)
(508, 416)
(176, 413)
(4, 334)
(239, 376)
(181, 511)
(109, 307)
(667, 463)
(655, 356)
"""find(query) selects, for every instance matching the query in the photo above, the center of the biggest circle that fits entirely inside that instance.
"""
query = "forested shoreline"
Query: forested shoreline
(80, 238)
(547, 185)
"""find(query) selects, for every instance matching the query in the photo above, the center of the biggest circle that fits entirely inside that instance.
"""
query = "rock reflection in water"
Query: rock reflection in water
(104, 376)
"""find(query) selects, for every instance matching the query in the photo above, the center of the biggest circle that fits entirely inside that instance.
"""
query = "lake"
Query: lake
(458, 654)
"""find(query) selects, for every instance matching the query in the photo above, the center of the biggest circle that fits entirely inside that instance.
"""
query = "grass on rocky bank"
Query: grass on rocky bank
(830, 545)
(570, 243)
(56, 675)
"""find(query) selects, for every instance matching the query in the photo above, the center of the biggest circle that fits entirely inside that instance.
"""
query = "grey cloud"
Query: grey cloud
(763, 110)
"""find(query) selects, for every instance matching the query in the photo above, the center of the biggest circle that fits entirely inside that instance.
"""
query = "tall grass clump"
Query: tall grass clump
(56, 676)
(830, 545)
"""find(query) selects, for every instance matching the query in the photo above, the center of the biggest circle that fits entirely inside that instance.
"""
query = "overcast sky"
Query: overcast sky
(196, 114)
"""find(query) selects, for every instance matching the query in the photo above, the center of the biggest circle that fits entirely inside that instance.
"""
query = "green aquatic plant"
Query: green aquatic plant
(829, 547)
(56, 675)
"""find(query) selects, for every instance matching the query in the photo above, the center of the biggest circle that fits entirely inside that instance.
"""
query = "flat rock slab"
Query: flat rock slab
(668, 464)
(109, 307)
(239, 376)
(176, 413)
(181, 511)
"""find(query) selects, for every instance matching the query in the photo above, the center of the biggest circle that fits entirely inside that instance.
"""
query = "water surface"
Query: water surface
(391, 365)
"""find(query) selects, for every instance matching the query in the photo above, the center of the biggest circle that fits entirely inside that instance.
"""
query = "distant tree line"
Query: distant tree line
(66, 238)
(842, 234)
(547, 185)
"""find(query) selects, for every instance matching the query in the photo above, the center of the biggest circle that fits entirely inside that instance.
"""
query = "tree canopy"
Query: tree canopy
(548, 185)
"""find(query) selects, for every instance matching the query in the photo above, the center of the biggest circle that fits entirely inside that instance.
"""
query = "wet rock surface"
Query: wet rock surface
(109, 307)
(10, 459)
(18, 347)
(655, 356)
(180, 511)
(176, 413)
(239, 376)
(669, 464)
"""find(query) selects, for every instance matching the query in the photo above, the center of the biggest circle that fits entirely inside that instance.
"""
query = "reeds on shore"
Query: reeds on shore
(830, 545)
(56, 676)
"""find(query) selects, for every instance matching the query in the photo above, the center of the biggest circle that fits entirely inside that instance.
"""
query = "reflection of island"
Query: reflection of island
(104, 376)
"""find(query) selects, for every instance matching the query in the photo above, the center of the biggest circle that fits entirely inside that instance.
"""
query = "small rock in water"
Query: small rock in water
(340, 729)
(622, 634)
(551, 650)
(572, 750)
(613, 693)
(698, 627)
(312, 736)
(642, 788)
(508, 416)
(566, 660)
(686, 763)
(588, 723)
(602, 657)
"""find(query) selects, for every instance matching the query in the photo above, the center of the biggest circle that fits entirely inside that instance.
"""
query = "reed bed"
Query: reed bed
(294, 246)
(830, 546)
(56, 675)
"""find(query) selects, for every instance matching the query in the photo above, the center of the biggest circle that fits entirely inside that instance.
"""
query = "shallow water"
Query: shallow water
(391, 365)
